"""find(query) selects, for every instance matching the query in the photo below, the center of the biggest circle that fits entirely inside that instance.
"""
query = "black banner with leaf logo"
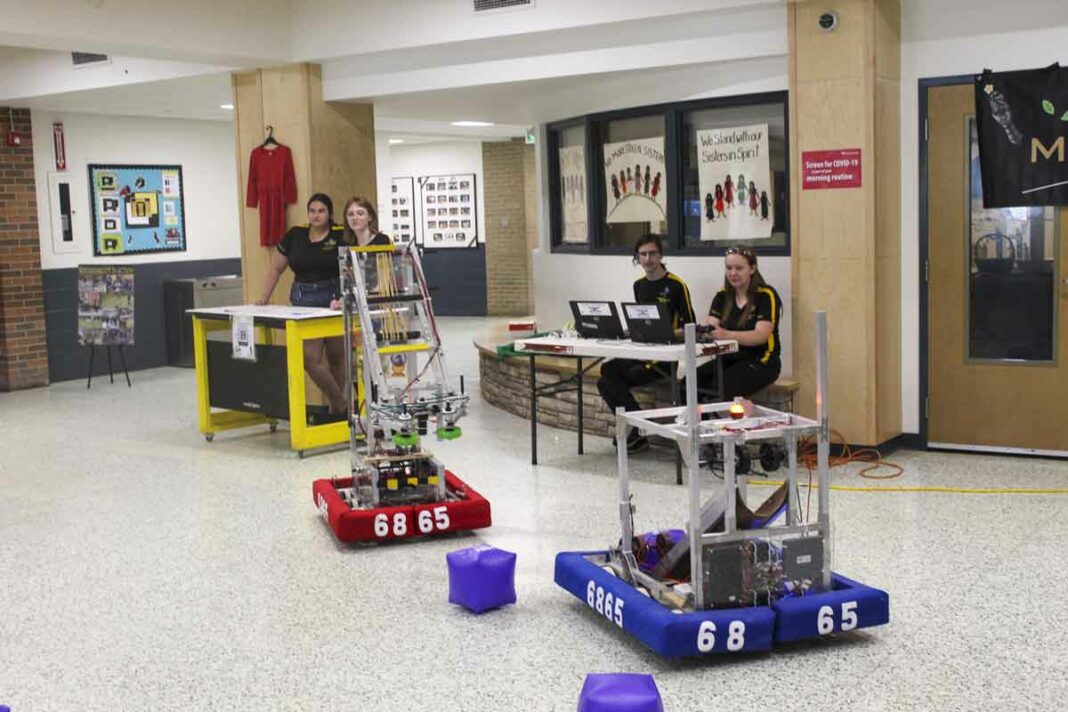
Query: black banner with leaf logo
(1022, 120)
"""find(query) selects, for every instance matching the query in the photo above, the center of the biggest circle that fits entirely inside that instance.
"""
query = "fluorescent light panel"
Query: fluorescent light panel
(472, 123)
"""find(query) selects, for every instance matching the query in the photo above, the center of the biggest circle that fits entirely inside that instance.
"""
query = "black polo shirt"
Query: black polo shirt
(767, 306)
(312, 261)
(669, 290)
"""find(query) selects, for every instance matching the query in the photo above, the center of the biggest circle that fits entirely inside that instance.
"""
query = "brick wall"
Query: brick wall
(508, 174)
(23, 348)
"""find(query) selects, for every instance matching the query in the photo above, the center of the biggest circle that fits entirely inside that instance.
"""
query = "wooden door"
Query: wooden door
(997, 314)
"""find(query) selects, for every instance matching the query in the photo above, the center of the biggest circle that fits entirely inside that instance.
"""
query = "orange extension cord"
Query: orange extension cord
(807, 456)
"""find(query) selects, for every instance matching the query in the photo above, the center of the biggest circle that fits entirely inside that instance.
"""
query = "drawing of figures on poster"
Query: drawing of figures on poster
(734, 174)
(105, 305)
(573, 194)
(402, 204)
(450, 212)
(137, 209)
(635, 181)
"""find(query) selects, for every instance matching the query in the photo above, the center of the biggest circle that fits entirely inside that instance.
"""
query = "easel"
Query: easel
(111, 374)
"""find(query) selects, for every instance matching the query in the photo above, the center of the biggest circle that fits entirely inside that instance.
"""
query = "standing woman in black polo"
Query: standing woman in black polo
(311, 252)
(747, 310)
(619, 375)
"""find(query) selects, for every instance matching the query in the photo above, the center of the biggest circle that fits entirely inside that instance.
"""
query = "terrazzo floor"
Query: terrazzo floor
(142, 568)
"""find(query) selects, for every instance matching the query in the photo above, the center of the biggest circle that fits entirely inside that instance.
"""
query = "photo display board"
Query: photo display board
(136, 209)
(402, 205)
(105, 305)
(449, 211)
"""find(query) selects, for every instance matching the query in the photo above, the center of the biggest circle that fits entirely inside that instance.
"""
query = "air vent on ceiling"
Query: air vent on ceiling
(80, 59)
(484, 5)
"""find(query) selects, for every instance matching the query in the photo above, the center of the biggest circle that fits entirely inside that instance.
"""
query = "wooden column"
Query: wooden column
(333, 152)
(845, 94)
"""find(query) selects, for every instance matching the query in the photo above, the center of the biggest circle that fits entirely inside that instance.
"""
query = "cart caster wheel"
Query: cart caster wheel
(209, 436)
(273, 427)
(300, 454)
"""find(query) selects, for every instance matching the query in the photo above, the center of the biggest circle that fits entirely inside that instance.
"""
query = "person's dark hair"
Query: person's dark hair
(372, 217)
(648, 239)
(755, 282)
(325, 200)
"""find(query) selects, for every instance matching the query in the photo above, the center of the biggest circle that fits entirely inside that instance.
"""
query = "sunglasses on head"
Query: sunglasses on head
(743, 251)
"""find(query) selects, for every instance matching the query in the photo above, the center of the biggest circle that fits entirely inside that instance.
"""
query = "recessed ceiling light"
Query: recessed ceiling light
(228, 107)
(472, 123)
(396, 140)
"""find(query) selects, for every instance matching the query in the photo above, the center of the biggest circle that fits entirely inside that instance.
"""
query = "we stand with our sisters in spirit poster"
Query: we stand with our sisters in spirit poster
(734, 174)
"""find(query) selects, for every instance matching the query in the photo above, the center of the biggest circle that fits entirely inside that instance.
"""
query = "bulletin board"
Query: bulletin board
(136, 209)
(450, 213)
(402, 204)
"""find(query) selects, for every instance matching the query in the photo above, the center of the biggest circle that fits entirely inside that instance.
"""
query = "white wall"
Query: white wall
(942, 58)
(204, 149)
(428, 159)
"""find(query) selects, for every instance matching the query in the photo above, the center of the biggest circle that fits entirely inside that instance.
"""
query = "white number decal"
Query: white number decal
(323, 509)
(441, 517)
(706, 636)
(849, 615)
(825, 618)
(429, 520)
(609, 606)
(736, 636)
(400, 524)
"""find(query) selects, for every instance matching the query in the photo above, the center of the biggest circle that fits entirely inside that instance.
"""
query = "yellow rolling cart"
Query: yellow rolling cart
(233, 393)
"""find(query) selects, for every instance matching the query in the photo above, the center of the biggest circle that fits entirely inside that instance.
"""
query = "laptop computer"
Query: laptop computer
(650, 323)
(597, 320)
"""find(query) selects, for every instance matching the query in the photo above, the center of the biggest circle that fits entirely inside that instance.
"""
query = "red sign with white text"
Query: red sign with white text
(830, 169)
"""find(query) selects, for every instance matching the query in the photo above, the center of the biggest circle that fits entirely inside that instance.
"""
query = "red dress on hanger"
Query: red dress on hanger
(271, 185)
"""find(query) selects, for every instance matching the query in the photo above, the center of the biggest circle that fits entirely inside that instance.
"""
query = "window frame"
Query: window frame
(672, 114)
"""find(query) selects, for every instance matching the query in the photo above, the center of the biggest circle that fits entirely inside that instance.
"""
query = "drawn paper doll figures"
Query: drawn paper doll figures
(752, 199)
(710, 208)
(647, 180)
(728, 191)
(623, 180)
(764, 205)
(656, 185)
(719, 200)
(615, 187)
(741, 189)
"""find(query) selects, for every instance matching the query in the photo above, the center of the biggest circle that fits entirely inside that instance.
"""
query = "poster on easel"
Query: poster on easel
(402, 207)
(136, 209)
(734, 175)
(449, 211)
(105, 305)
(573, 195)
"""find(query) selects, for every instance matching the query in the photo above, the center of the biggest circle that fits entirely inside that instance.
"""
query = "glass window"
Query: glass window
(735, 178)
(635, 179)
(1012, 258)
(571, 157)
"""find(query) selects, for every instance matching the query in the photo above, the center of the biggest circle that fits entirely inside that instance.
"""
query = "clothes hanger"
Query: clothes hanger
(269, 141)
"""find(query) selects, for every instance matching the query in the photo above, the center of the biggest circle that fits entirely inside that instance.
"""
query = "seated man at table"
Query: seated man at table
(618, 376)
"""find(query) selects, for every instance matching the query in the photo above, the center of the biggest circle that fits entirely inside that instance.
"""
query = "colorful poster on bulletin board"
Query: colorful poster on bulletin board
(136, 209)
(734, 175)
(105, 305)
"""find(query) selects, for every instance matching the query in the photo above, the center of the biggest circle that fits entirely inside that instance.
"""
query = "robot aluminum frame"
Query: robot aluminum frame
(685, 427)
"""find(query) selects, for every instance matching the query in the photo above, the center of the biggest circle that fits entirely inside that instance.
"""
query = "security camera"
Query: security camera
(829, 20)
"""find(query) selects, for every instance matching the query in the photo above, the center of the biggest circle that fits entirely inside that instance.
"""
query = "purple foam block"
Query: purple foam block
(620, 692)
(481, 578)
